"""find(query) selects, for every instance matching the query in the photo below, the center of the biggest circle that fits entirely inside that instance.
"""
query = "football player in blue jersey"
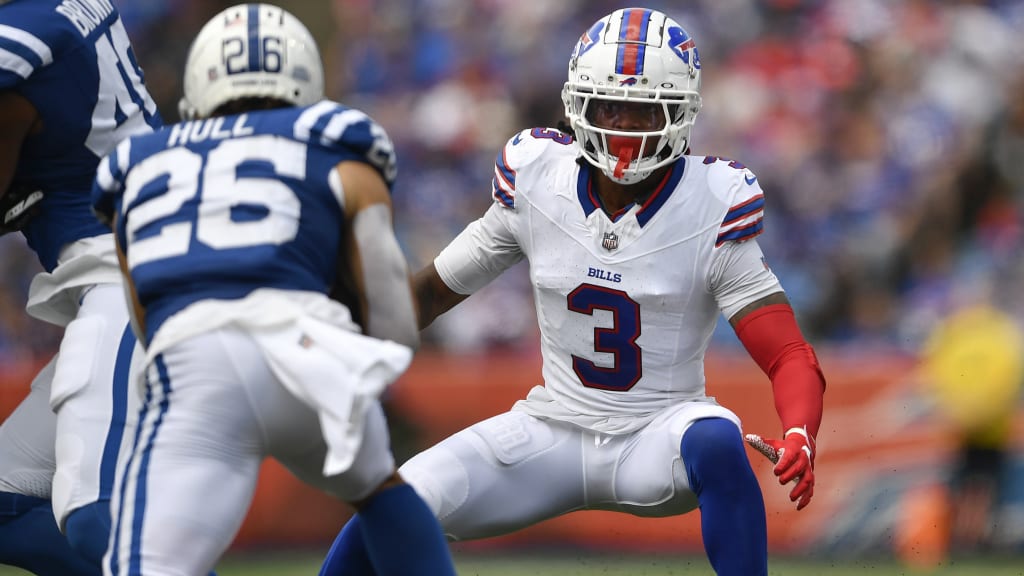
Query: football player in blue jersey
(636, 248)
(70, 89)
(272, 299)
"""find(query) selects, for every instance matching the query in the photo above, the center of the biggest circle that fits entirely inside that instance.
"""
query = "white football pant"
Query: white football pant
(213, 411)
(91, 386)
(514, 470)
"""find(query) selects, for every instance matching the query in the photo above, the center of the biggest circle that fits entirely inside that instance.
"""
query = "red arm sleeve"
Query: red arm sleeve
(773, 339)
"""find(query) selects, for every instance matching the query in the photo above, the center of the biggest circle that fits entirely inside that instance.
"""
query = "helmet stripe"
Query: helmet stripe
(254, 37)
(632, 41)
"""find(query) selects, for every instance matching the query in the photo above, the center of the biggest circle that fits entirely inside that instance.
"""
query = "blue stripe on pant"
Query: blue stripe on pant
(119, 405)
(88, 528)
(143, 450)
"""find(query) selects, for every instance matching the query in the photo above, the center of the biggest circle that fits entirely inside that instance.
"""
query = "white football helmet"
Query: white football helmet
(251, 51)
(634, 55)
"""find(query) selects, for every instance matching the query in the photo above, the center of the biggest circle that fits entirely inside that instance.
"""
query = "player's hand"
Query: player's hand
(793, 457)
(17, 206)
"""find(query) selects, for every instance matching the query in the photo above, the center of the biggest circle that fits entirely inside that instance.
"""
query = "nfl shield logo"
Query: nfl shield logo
(610, 242)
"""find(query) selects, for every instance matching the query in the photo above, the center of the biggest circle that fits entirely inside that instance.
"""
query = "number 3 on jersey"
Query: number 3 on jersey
(619, 340)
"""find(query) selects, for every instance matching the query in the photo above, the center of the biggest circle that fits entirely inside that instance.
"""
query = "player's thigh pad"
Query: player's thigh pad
(500, 475)
(95, 396)
(650, 477)
(192, 473)
(27, 459)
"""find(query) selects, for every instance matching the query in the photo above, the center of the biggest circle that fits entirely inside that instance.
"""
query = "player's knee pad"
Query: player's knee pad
(713, 453)
(88, 530)
(440, 479)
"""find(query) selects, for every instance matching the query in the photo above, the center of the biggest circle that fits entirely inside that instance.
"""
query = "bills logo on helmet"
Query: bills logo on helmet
(628, 82)
(680, 43)
(590, 38)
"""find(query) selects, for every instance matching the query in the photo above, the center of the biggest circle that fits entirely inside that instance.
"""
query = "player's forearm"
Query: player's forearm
(433, 296)
(389, 305)
(798, 388)
(17, 116)
(773, 339)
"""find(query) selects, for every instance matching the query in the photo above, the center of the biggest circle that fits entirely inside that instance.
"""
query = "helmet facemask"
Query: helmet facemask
(641, 57)
(628, 156)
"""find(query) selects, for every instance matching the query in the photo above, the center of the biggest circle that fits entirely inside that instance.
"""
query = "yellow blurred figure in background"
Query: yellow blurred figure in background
(974, 364)
(973, 369)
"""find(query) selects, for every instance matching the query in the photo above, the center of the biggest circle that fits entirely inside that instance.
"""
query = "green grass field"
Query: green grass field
(583, 564)
(597, 565)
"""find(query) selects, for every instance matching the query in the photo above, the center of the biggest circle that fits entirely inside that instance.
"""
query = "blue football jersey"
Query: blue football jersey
(72, 60)
(217, 208)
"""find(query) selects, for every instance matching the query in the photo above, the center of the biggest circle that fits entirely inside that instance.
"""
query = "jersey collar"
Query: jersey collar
(590, 201)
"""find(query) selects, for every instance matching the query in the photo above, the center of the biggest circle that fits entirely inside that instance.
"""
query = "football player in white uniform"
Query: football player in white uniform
(70, 89)
(635, 247)
(272, 299)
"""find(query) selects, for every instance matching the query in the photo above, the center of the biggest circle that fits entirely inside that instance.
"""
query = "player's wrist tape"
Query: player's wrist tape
(808, 446)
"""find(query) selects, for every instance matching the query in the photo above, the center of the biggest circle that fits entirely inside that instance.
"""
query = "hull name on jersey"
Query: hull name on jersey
(196, 131)
(604, 275)
(86, 15)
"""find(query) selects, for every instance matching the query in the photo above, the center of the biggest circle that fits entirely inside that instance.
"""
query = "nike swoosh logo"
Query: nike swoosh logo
(750, 179)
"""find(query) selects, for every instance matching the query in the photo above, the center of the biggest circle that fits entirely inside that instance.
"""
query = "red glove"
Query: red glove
(794, 460)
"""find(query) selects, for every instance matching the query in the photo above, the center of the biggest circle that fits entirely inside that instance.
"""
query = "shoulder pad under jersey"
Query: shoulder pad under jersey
(520, 151)
(27, 42)
(333, 125)
(737, 188)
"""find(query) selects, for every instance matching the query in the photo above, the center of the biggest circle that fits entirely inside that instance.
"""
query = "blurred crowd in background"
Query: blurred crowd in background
(888, 136)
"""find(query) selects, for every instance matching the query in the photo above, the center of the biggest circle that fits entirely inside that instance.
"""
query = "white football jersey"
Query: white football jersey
(626, 303)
